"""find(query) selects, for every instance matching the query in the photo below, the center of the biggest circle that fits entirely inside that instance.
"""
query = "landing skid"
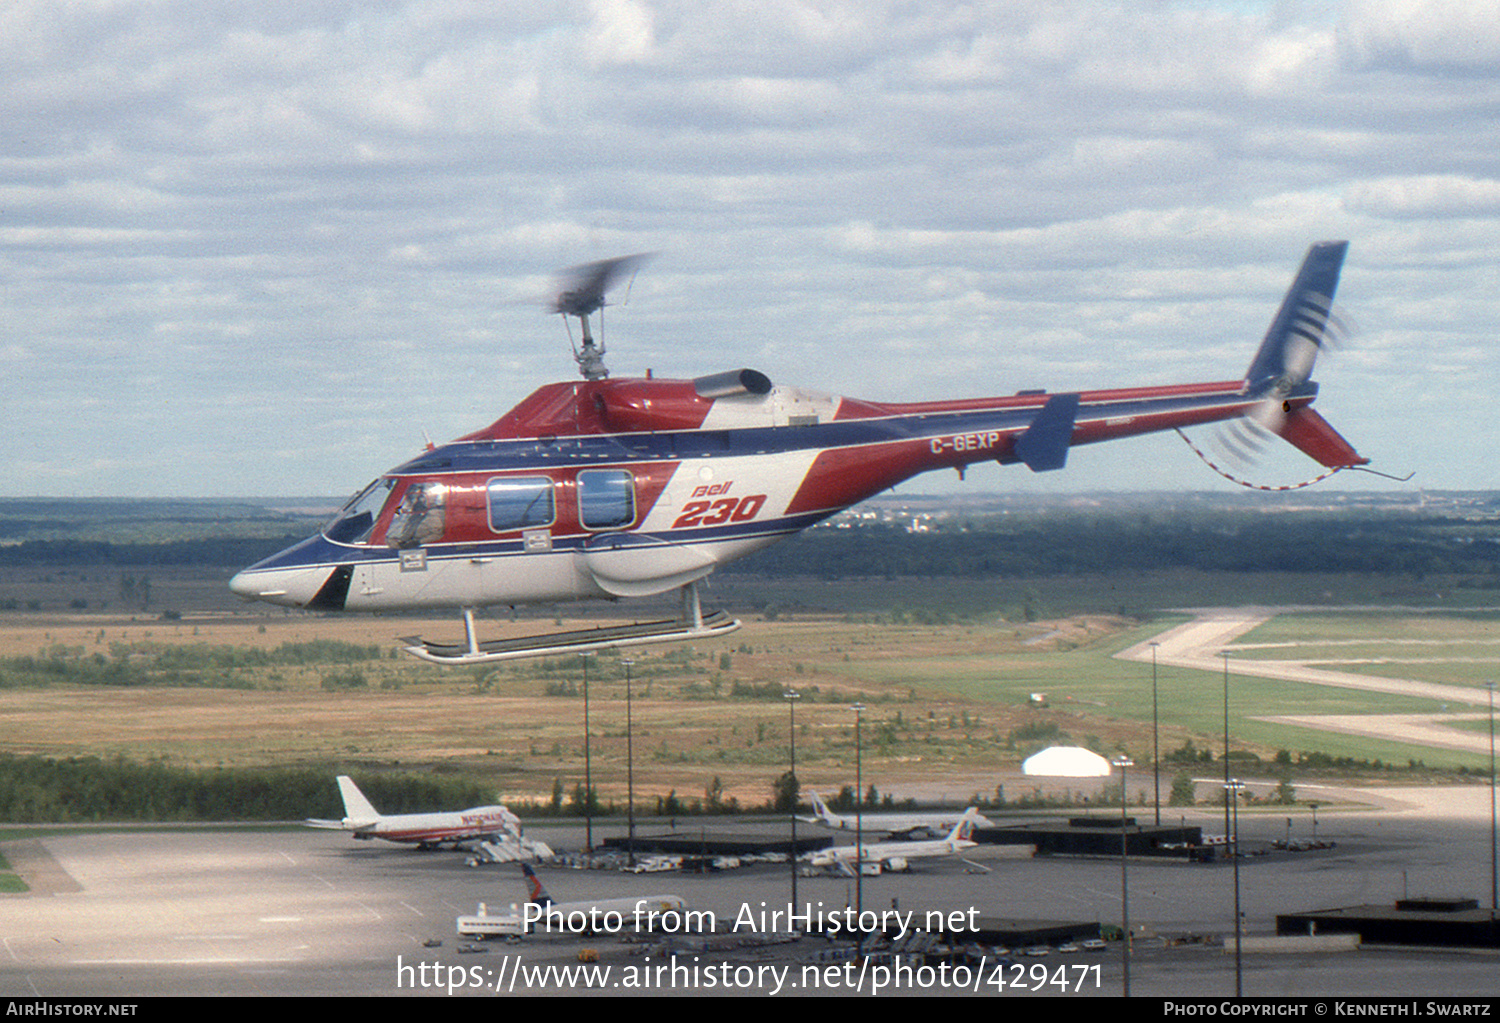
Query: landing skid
(693, 624)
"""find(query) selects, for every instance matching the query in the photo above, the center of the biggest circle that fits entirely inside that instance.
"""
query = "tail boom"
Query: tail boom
(1038, 428)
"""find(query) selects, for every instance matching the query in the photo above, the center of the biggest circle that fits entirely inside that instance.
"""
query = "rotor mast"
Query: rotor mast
(582, 295)
(589, 356)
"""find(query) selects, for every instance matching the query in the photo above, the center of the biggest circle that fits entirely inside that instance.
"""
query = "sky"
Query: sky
(269, 248)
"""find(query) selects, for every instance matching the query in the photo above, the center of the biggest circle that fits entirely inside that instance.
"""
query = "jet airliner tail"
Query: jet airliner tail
(963, 831)
(535, 891)
(357, 809)
(820, 809)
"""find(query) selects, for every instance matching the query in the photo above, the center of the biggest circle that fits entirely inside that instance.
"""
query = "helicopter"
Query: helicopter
(627, 487)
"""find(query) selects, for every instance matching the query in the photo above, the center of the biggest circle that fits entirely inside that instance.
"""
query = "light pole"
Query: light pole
(629, 763)
(1123, 762)
(792, 696)
(859, 832)
(1155, 736)
(1232, 790)
(1225, 655)
(588, 762)
(1494, 860)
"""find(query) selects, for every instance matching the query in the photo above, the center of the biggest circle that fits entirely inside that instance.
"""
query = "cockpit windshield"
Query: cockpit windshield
(355, 520)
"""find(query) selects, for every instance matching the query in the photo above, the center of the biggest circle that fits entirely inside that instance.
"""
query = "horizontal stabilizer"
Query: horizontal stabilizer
(1044, 445)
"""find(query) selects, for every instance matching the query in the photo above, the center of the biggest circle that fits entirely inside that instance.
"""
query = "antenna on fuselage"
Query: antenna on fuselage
(581, 294)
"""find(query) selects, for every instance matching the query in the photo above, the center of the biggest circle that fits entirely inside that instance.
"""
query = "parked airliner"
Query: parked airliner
(873, 857)
(425, 830)
(934, 824)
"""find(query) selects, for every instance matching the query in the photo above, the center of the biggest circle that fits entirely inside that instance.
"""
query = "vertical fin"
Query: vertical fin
(964, 828)
(820, 810)
(1297, 331)
(535, 892)
(356, 806)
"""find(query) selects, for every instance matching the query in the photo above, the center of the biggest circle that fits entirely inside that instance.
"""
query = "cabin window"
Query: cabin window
(419, 518)
(606, 498)
(355, 520)
(520, 502)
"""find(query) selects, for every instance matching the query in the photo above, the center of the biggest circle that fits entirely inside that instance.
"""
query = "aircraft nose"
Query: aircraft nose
(242, 586)
(268, 586)
(289, 587)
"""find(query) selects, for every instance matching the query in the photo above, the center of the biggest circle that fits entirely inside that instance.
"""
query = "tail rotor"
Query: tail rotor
(1306, 324)
(1320, 328)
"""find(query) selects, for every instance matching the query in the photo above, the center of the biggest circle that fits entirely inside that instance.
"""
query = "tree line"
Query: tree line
(92, 789)
(145, 662)
(1072, 545)
(1011, 546)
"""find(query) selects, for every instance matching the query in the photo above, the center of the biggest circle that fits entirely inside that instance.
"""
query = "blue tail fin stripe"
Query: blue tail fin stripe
(538, 893)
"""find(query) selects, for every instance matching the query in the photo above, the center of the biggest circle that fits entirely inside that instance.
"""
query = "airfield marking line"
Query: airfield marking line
(217, 961)
(1069, 894)
(1103, 894)
(209, 937)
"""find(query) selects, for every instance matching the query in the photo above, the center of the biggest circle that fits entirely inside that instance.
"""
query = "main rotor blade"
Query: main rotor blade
(583, 287)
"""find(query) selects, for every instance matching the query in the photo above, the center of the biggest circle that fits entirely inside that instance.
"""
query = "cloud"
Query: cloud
(1428, 37)
(620, 32)
(230, 228)
(1426, 196)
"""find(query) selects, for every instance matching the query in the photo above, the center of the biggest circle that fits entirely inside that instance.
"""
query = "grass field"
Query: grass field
(943, 699)
(500, 723)
(10, 881)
